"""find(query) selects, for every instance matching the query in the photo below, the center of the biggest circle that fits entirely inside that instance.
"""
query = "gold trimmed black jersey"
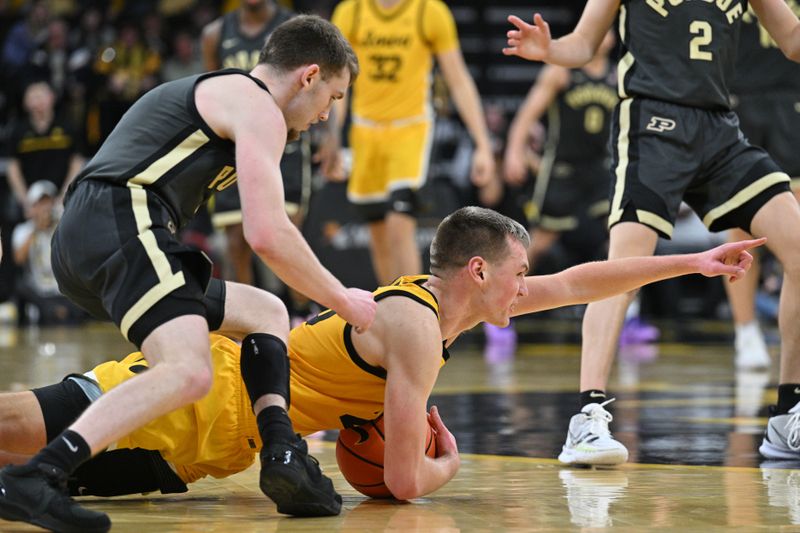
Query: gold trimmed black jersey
(237, 50)
(679, 51)
(578, 122)
(163, 146)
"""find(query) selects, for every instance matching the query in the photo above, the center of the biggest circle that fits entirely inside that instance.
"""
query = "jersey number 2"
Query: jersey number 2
(702, 30)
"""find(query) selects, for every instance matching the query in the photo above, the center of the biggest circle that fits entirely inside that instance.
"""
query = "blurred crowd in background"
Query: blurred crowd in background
(70, 69)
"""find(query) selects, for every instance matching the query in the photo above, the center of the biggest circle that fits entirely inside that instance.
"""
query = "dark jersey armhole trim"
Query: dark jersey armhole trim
(351, 349)
(356, 358)
(192, 105)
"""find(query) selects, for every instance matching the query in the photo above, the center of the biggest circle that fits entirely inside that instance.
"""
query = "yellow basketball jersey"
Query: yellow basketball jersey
(331, 387)
(395, 48)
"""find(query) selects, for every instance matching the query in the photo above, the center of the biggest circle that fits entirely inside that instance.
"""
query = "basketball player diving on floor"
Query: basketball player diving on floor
(340, 378)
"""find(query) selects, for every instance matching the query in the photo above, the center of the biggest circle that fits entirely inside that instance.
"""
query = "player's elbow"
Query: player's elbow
(403, 483)
(260, 241)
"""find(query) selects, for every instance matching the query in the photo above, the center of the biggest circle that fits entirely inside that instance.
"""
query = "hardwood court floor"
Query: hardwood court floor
(691, 422)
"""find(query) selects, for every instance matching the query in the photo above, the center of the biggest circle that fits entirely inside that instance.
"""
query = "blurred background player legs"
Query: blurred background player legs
(390, 164)
(766, 86)
(570, 194)
(234, 41)
(392, 117)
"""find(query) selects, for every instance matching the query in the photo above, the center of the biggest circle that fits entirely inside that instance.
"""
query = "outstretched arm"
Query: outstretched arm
(590, 282)
(533, 41)
(781, 23)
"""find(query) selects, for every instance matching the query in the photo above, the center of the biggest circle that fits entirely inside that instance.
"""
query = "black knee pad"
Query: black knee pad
(265, 366)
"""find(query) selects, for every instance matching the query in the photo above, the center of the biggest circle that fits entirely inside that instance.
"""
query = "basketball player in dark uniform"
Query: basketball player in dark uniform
(572, 180)
(115, 254)
(767, 89)
(675, 138)
(234, 41)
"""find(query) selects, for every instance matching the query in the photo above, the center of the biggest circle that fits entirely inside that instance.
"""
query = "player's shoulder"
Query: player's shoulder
(435, 8)
(345, 7)
(213, 29)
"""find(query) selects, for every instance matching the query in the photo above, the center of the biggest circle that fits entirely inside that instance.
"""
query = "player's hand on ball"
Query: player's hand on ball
(445, 441)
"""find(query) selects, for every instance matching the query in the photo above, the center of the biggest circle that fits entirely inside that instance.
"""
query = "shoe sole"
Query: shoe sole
(293, 498)
(605, 458)
(770, 451)
(13, 513)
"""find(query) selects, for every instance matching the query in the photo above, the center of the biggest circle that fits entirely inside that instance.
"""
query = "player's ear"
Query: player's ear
(310, 74)
(477, 267)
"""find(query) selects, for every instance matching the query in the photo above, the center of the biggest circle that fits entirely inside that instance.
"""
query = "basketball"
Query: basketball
(359, 453)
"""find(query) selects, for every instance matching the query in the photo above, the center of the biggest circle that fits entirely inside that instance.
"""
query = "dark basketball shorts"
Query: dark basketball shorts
(568, 192)
(404, 201)
(772, 121)
(114, 473)
(296, 173)
(138, 278)
(664, 153)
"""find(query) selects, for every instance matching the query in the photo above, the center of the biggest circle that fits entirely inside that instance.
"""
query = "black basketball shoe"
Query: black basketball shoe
(37, 494)
(293, 480)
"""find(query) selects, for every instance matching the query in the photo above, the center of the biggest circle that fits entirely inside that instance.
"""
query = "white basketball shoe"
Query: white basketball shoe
(589, 442)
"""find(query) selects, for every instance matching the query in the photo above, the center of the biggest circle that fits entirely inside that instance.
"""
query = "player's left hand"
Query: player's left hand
(528, 41)
(483, 166)
(731, 259)
(329, 157)
(445, 441)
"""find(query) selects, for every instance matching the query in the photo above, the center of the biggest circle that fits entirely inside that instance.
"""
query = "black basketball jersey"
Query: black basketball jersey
(761, 67)
(44, 155)
(163, 145)
(237, 50)
(679, 51)
(578, 121)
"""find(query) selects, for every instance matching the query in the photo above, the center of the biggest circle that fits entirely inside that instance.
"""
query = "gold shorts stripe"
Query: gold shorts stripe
(623, 145)
(626, 61)
(598, 209)
(226, 218)
(163, 165)
(149, 300)
(654, 221)
(744, 196)
(559, 224)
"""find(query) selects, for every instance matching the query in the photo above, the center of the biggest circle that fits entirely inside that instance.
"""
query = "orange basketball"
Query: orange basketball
(359, 452)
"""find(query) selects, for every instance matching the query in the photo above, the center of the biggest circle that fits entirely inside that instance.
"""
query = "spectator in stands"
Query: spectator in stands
(37, 288)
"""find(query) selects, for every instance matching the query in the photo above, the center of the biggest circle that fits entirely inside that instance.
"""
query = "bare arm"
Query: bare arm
(254, 122)
(209, 42)
(533, 41)
(468, 103)
(781, 23)
(75, 165)
(590, 282)
(412, 364)
(550, 82)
